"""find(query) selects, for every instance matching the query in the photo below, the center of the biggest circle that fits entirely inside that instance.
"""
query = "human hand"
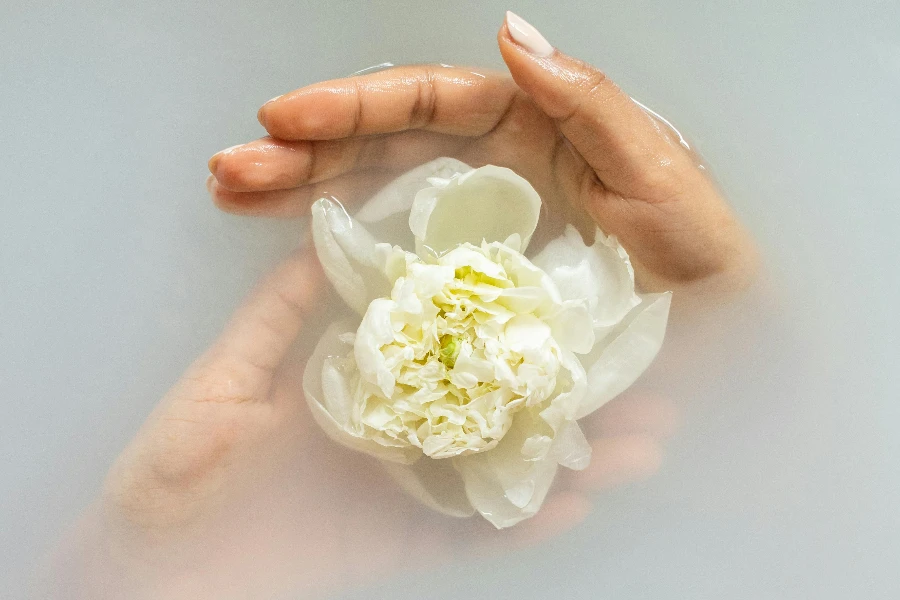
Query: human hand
(587, 147)
(229, 490)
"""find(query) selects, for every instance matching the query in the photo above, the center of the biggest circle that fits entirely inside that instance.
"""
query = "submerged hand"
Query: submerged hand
(230, 490)
(586, 146)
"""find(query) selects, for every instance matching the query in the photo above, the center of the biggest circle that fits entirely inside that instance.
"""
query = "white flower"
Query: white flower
(472, 363)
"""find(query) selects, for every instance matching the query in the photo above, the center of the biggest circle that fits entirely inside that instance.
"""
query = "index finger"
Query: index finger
(451, 100)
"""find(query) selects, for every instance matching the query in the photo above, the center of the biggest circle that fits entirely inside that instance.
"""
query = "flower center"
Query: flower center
(450, 347)
(469, 350)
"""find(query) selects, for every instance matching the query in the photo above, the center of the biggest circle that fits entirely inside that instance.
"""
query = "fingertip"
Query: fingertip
(525, 36)
(261, 113)
(213, 162)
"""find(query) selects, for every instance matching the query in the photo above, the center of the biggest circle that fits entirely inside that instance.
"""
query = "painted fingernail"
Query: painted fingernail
(527, 36)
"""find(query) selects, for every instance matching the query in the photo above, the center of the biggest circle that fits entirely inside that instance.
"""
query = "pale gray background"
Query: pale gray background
(115, 270)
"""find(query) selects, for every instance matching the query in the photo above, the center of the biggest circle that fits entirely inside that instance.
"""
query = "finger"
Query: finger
(449, 100)
(265, 327)
(626, 147)
(292, 203)
(618, 460)
(270, 164)
(643, 186)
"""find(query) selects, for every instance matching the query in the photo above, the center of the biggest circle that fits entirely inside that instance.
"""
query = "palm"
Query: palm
(232, 463)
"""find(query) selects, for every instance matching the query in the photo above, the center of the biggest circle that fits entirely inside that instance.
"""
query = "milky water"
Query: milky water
(782, 478)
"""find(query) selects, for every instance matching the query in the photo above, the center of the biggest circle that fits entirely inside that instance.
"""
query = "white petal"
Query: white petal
(323, 390)
(571, 449)
(350, 256)
(374, 332)
(524, 332)
(502, 484)
(601, 274)
(564, 407)
(491, 203)
(572, 327)
(536, 447)
(397, 196)
(434, 483)
(626, 353)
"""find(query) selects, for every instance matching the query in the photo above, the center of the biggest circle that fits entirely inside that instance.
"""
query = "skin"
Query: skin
(229, 490)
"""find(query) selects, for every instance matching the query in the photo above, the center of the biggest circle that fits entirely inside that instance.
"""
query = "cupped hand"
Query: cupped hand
(586, 146)
(230, 490)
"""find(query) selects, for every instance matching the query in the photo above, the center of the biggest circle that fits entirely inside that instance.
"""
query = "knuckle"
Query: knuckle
(422, 111)
(596, 86)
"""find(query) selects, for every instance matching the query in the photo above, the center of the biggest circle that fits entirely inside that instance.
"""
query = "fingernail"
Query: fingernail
(259, 114)
(527, 36)
(214, 161)
(209, 183)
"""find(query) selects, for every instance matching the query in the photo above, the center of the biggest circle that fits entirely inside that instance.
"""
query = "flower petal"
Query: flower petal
(397, 196)
(505, 484)
(626, 352)
(571, 449)
(601, 274)
(327, 388)
(434, 483)
(487, 204)
(572, 327)
(353, 261)
(375, 331)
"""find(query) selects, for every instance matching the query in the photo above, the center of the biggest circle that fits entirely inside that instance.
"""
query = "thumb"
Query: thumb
(629, 150)
(650, 190)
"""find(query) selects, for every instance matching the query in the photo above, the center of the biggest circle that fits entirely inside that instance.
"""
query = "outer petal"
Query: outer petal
(506, 485)
(626, 353)
(353, 261)
(571, 449)
(601, 274)
(434, 483)
(375, 331)
(487, 204)
(327, 387)
(397, 196)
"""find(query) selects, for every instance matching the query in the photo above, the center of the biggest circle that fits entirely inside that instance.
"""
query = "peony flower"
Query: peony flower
(472, 363)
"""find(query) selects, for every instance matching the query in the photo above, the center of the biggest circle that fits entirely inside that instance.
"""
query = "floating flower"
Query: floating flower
(472, 363)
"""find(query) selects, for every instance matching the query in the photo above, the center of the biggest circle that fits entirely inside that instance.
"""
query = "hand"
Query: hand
(586, 146)
(230, 490)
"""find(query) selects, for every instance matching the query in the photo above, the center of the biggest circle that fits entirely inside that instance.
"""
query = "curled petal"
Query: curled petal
(572, 327)
(397, 196)
(601, 274)
(571, 449)
(506, 485)
(352, 260)
(625, 353)
(487, 204)
(375, 331)
(434, 483)
(327, 386)
(564, 407)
